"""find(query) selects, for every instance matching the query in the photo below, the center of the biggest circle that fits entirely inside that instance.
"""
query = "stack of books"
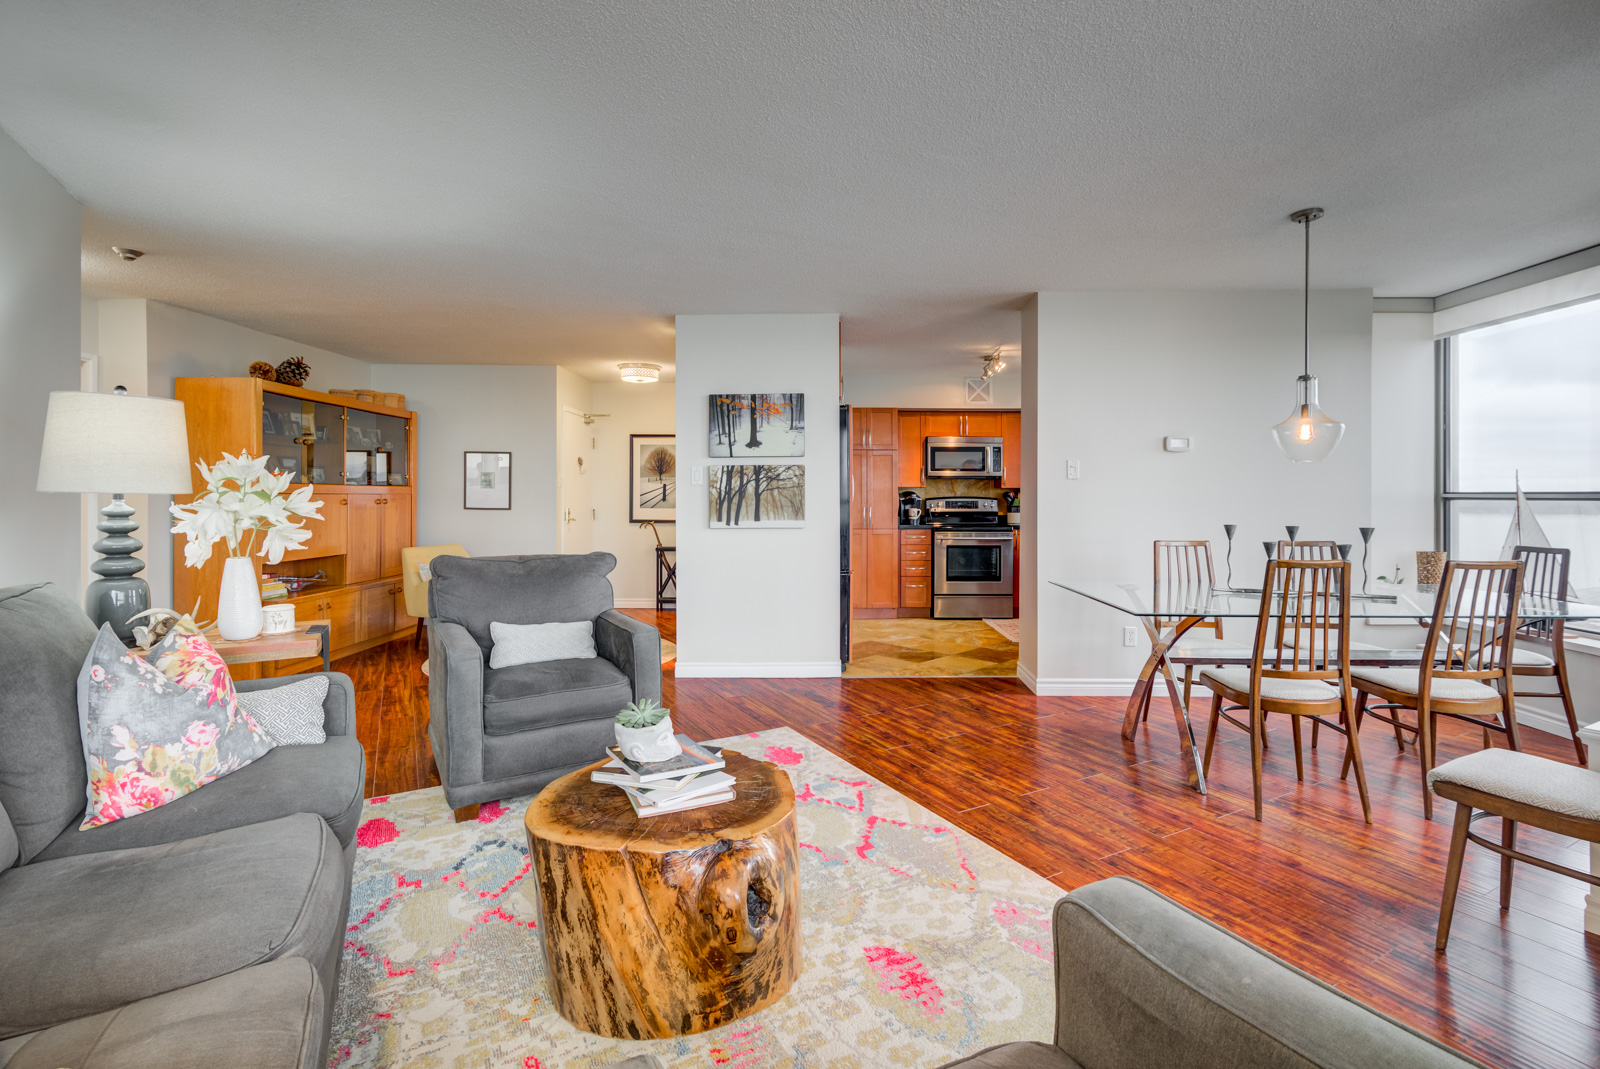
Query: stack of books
(274, 590)
(692, 779)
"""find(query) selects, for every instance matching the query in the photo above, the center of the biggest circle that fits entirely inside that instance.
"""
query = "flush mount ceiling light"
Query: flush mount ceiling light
(1308, 434)
(640, 372)
(993, 364)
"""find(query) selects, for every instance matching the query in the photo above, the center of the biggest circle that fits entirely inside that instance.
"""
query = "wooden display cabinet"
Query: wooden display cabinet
(324, 440)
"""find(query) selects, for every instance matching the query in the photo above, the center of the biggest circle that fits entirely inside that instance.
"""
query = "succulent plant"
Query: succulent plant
(642, 714)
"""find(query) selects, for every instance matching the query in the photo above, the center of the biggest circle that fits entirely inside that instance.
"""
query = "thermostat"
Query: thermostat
(1175, 445)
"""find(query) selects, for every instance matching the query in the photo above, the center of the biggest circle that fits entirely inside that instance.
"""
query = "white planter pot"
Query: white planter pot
(238, 601)
(648, 744)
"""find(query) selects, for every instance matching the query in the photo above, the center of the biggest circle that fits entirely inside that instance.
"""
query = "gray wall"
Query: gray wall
(39, 337)
(488, 408)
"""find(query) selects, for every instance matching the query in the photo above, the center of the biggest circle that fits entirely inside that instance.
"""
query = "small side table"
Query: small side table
(310, 640)
(666, 575)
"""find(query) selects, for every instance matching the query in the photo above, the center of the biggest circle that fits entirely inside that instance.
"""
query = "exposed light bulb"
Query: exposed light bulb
(1305, 428)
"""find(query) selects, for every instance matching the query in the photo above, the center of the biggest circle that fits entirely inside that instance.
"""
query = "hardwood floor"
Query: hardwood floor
(1050, 782)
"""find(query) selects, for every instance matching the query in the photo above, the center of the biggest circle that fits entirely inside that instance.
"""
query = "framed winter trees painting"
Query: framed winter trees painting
(757, 425)
(487, 480)
(757, 495)
(652, 478)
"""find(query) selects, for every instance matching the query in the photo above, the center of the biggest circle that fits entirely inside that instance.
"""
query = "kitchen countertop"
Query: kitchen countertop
(930, 527)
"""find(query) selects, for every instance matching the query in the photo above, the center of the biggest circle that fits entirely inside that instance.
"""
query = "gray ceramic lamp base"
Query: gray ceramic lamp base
(118, 594)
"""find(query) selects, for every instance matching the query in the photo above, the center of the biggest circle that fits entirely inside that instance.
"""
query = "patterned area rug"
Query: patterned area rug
(921, 943)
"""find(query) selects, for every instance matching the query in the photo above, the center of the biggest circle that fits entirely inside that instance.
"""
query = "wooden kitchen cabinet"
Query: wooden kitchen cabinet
(365, 525)
(981, 424)
(883, 567)
(911, 448)
(377, 609)
(882, 472)
(874, 428)
(942, 425)
(1011, 448)
(916, 573)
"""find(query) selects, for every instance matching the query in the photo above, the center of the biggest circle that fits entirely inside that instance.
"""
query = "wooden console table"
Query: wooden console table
(668, 925)
(666, 575)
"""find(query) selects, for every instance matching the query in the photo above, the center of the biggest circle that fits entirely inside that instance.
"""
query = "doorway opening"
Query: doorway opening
(932, 550)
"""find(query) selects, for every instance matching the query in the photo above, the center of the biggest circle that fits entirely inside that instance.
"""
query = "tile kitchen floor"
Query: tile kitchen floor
(915, 647)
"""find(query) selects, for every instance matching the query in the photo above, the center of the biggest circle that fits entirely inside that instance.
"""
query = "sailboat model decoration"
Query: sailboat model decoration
(1525, 530)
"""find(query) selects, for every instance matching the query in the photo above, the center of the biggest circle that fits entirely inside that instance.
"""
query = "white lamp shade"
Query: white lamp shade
(102, 443)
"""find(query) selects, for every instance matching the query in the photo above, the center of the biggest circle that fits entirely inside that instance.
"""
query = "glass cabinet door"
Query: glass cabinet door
(375, 449)
(302, 437)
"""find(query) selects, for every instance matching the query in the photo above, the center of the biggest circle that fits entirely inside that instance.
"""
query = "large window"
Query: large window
(1523, 401)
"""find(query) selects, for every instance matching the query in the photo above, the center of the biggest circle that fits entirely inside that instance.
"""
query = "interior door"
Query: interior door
(577, 499)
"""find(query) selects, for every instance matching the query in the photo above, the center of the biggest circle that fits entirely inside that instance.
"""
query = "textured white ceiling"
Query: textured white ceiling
(516, 182)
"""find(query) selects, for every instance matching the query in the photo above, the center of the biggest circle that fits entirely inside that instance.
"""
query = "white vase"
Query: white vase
(645, 745)
(238, 601)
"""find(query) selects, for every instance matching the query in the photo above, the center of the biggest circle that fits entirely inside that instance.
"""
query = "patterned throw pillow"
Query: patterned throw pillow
(157, 727)
(290, 714)
(530, 643)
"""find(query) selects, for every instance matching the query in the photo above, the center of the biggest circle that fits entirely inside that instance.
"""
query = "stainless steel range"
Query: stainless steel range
(972, 558)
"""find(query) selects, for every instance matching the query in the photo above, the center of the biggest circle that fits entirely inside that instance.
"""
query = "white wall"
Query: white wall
(931, 389)
(1105, 376)
(39, 347)
(491, 409)
(759, 603)
(146, 346)
(634, 408)
(1402, 440)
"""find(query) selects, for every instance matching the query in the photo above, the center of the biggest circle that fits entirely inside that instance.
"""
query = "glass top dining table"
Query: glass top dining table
(1169, 610)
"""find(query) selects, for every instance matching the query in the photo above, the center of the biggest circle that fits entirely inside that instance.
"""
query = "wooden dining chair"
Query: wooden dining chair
(1473, 630)
(1545, 573)
(1288, 674)
(1307, 550)
(1183, 563)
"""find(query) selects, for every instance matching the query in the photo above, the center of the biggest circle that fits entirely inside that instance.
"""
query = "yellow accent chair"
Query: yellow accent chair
(416, 587)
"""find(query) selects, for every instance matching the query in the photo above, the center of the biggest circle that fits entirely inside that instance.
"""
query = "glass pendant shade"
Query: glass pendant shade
(1309, 434)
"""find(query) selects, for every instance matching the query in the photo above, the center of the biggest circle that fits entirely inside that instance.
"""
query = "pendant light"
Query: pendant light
(1309, 434)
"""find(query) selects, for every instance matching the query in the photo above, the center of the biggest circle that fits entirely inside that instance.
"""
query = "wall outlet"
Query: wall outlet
(1130, 636)
(1072, 469)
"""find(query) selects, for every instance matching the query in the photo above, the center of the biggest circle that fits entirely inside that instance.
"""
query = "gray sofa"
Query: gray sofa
(501, 732)
(1142, 981)
(205, 932)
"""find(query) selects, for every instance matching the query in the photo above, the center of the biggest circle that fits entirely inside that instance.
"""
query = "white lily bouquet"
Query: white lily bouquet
(250, 508)
(243, 500)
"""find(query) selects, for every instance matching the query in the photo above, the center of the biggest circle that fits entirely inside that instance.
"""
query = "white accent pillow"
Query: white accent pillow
(292, 713)
(532, 643)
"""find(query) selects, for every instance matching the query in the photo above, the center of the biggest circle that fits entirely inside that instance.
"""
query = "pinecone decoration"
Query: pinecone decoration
(263, 370)
(294, 371)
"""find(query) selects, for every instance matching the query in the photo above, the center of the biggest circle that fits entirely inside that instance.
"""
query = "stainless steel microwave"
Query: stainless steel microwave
(962, 458)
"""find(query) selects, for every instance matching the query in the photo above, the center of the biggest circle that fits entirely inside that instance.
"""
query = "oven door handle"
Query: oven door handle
(974, 541)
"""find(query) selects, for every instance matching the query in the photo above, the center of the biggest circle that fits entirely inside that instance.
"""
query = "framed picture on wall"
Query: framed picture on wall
(652, 478)
(486, 481)
(757, 425)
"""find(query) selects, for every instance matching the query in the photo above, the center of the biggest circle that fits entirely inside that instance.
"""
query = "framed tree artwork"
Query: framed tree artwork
(757, 495)
(486, 481)
(757, 425)
(652, 478)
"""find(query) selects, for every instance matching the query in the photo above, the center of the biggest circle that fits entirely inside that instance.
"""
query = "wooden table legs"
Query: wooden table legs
(1159, 645)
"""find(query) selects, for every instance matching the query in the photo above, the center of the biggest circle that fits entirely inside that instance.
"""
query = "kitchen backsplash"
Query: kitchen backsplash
(957, 488)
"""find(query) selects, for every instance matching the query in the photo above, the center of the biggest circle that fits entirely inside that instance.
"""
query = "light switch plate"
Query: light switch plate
(1072, 469)
(697, 476)
(1175, 445)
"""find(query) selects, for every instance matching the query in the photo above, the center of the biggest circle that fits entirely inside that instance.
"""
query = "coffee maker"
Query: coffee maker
(910, 508)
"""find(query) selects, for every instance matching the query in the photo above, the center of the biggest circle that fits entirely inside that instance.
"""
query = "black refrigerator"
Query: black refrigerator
(844, 534)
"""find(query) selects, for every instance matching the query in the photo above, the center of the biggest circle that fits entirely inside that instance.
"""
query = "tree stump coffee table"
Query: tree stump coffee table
(668, 925)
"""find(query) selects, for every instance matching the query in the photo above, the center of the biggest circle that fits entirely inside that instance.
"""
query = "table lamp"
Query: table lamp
(115, 443)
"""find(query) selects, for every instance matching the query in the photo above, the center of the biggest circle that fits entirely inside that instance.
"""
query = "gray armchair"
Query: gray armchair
(1142, 981)
(499, 732)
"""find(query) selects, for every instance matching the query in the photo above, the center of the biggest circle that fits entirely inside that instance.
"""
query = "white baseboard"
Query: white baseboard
(756, 670)
(1069, 687)
(634, 603)
(1552, 720)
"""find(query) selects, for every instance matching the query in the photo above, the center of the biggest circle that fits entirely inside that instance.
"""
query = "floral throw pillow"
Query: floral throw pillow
(157, 727)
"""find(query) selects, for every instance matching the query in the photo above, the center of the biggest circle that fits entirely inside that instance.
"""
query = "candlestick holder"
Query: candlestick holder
(1366, 548)
(1228, 529)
